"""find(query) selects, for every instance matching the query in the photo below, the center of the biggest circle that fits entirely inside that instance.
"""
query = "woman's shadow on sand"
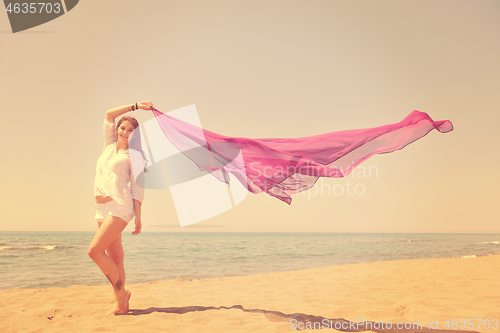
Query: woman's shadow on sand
(316, 322)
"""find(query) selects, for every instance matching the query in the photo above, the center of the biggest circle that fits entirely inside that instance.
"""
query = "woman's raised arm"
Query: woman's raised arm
(113, 113)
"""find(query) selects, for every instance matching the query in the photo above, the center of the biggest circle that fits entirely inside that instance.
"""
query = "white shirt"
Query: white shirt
(114, 172)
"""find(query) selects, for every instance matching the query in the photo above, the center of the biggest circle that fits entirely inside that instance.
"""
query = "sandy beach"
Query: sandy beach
(429, 291)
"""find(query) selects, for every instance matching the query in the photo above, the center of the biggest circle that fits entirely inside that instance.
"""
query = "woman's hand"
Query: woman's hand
(145, 105)
(138, 226)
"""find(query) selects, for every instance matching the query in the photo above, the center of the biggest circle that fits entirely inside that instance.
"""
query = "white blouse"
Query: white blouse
(114, 172)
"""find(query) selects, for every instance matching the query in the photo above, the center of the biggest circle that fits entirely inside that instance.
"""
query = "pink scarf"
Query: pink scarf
(284, 166)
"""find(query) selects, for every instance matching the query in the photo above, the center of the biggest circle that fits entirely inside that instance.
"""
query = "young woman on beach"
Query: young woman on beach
(118, 198)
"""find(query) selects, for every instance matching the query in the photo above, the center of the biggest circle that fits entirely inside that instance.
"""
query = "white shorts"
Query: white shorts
(113, 209)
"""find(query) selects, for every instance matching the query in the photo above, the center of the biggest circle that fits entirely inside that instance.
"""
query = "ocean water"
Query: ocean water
(59, 259)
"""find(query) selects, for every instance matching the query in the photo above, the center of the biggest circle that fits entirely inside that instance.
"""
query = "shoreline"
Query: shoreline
(61, 260)
(411, 290)
(264, 273)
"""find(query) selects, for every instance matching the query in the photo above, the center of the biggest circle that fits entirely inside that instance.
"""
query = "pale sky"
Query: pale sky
(260, 69)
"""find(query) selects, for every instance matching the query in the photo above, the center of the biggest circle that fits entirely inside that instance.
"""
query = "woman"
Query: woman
(118, 198)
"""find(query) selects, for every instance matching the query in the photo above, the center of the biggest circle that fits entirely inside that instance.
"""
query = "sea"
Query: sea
(38, 260)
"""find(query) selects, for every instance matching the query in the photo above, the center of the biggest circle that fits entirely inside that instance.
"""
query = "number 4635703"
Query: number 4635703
(471, 324)
(31, 8)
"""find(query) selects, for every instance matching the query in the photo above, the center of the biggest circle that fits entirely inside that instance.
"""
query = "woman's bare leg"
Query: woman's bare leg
(115, 252)
(109, 230)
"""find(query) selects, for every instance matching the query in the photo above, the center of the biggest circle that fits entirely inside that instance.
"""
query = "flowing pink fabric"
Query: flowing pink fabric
(284, 166)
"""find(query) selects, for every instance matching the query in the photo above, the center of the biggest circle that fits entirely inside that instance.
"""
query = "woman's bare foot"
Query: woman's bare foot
(113, 310)
(124, 304)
